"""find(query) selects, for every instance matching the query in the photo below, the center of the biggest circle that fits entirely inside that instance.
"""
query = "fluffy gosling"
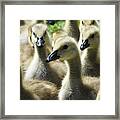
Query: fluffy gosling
(65, 49)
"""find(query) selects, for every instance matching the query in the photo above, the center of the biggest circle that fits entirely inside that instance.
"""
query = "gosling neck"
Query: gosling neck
(72, 28)
(40, 54)
(92, 55)
(74, 72)
(70, 22)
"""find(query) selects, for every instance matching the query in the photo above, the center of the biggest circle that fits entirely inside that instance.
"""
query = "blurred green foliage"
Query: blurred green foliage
(57, 26)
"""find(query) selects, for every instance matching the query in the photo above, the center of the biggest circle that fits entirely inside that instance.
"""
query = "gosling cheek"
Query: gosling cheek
(61, 53)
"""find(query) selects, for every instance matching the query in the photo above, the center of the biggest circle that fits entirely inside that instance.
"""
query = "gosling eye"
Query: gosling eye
(37, 38)
(65, 47)
(41, 38)
(44, 33)
(82, 22)
(34, 34)
(92, 36)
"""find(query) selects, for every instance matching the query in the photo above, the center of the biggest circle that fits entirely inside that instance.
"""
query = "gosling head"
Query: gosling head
(37, 34)
(90, 36)
(90, 22)
(64, 49)
(59, 34)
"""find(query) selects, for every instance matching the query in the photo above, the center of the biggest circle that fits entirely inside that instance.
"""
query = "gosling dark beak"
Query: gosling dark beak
(52, 56)
(40, 42)
(84, 45)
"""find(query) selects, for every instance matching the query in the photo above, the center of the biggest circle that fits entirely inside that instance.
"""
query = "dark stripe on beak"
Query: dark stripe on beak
(84, 45)
(40, 42)
(53, 56)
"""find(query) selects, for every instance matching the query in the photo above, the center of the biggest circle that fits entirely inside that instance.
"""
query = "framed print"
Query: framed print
(60, 59)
